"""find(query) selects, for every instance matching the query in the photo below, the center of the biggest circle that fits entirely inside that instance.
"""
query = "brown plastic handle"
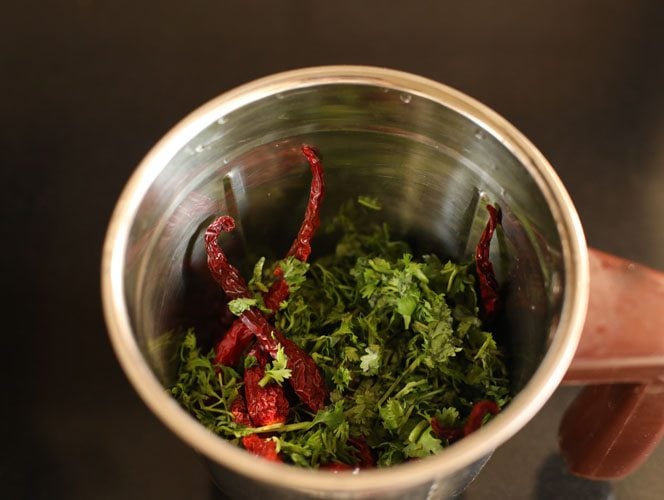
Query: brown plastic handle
(613, 426)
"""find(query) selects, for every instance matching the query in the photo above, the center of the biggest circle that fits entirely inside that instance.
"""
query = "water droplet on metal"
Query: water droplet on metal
(405, 98)
(225, 161)
(222, 120)
(200, 148)
(503, 192)
(480, 134)
(280, 95)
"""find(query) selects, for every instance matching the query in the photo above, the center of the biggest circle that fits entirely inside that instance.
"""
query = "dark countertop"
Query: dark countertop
(86, 88)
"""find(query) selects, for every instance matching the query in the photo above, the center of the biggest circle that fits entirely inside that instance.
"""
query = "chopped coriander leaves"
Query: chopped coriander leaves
(397, 337)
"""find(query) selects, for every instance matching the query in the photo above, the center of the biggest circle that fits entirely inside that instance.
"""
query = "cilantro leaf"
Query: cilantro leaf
(256, 281)
(250, 361)
(370, 362)
(331, 417)
(393, 414)
(342, 378)
(276, 371)
(448, 417)
(406, 305)
(238, 306)
(294, 272)
(421, 442)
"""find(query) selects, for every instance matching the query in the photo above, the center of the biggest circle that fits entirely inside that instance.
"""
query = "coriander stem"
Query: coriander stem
(432, 393)
(452, 276)
(214, 410)
(394, 385)
(281, 427)
(410, 385)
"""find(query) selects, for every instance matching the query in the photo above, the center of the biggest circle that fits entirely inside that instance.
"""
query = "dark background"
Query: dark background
(87, 87)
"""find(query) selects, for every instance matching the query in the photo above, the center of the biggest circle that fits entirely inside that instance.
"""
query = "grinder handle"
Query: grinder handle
(615, 423)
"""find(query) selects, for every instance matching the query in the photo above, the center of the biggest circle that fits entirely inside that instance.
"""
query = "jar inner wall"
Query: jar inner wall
(432, 168)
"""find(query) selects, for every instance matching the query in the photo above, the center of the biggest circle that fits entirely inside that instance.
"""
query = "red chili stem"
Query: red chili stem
(488, 284)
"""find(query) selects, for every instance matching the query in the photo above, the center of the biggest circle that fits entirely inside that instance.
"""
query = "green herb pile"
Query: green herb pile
(397, 338)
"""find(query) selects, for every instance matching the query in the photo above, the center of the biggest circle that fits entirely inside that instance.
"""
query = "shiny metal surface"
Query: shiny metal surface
(432, 154)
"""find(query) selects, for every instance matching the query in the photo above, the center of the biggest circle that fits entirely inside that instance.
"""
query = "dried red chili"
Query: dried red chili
(488, 285)
(227, 276)
(473, 422)
(235, 341)
(306, 379)
(239, 410)
(254, 443)
(230, 348)
(452, 434)
(477, 414)
(277, 293)
(232, 345)
(301, 247)
(365, 455)
(263, 447)
(265, 405)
